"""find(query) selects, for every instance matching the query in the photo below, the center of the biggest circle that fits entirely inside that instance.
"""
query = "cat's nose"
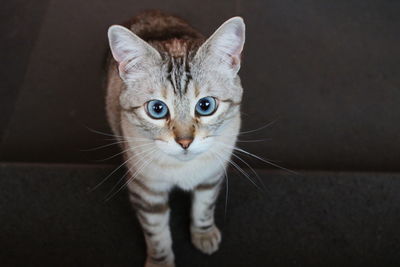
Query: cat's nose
(184, 142)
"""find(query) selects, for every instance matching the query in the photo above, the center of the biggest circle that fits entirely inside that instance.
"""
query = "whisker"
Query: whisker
(251, 168)
(259, 158)
(253, 141)
(141, 160)
(119, 153)
(116, 169)
(134, 175)
(260, 128)
(103, 133)
(246, 132)
(244, 173)
(136, 139)
(241, 171)
(115, 135)
(104, 146)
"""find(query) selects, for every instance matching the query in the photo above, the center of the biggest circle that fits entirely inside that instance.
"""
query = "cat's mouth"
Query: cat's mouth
(186, 155)
(180, 153)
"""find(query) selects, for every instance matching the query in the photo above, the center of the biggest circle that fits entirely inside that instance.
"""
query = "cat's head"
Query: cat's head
(181, 95)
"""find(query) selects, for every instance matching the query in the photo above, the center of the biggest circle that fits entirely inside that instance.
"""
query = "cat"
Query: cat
(173, 100)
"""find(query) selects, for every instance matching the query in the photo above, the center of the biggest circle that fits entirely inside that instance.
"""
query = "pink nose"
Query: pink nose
(184, 142)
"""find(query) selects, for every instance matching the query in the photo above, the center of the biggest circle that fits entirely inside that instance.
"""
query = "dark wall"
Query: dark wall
(327, 73)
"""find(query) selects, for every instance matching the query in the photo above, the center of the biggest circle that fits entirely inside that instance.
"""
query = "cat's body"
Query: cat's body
(188, 147)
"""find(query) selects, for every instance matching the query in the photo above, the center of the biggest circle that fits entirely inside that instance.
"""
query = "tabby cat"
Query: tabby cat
(173, 99)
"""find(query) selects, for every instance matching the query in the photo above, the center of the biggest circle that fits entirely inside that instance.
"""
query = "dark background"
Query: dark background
(326, 71)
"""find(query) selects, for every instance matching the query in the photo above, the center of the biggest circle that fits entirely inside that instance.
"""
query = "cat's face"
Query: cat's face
(181, 101)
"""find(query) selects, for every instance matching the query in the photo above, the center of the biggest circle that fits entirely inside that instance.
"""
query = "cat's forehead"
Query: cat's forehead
(178, 74)
(177, 57)
(184, 79)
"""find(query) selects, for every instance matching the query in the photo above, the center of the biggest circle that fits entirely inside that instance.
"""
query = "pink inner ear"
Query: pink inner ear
(122, 54)
(236, 56)
(121, 67)
(235, 60)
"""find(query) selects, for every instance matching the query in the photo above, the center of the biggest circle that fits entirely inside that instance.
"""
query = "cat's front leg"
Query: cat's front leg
(205, 234)
(153, 213)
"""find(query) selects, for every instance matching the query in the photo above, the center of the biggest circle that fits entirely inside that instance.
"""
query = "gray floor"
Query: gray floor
(49, 218)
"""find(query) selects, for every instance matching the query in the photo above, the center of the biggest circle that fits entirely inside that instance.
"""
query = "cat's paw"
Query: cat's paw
(152, 263)
(206, 241)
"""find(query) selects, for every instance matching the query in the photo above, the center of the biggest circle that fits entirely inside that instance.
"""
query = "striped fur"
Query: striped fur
(158, 56)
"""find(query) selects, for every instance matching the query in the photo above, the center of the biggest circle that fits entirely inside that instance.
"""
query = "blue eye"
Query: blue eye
(206, 106)
(157, 109)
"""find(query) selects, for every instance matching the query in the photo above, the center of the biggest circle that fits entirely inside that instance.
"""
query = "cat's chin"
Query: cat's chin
(186, 155)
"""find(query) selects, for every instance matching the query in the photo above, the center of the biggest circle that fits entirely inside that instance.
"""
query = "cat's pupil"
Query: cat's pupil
(158, 107)
(204, 104)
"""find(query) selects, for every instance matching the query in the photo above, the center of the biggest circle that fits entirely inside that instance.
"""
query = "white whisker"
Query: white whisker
(130, 148)
(102, 133)
(116, 169)
(246, 132)
(141, 160)
(253, 141)
(117, 137)
(136, 139)
(259, 158)
(133, 176)
(104, 146)
(260, 128)
(251, 168)
(241, 171)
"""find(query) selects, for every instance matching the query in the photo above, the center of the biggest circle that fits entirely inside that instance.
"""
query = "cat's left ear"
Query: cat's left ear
(223, 49)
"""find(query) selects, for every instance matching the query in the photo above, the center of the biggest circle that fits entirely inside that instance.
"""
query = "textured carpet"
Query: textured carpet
(50, 218)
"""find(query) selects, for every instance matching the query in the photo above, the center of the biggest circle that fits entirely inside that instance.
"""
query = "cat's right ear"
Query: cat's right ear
(222, 51)
(131, 52)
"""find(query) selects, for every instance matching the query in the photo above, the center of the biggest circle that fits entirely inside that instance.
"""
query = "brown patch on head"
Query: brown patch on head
(176, 47)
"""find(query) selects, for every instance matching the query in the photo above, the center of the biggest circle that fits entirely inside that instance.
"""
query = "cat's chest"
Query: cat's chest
(185, 175)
